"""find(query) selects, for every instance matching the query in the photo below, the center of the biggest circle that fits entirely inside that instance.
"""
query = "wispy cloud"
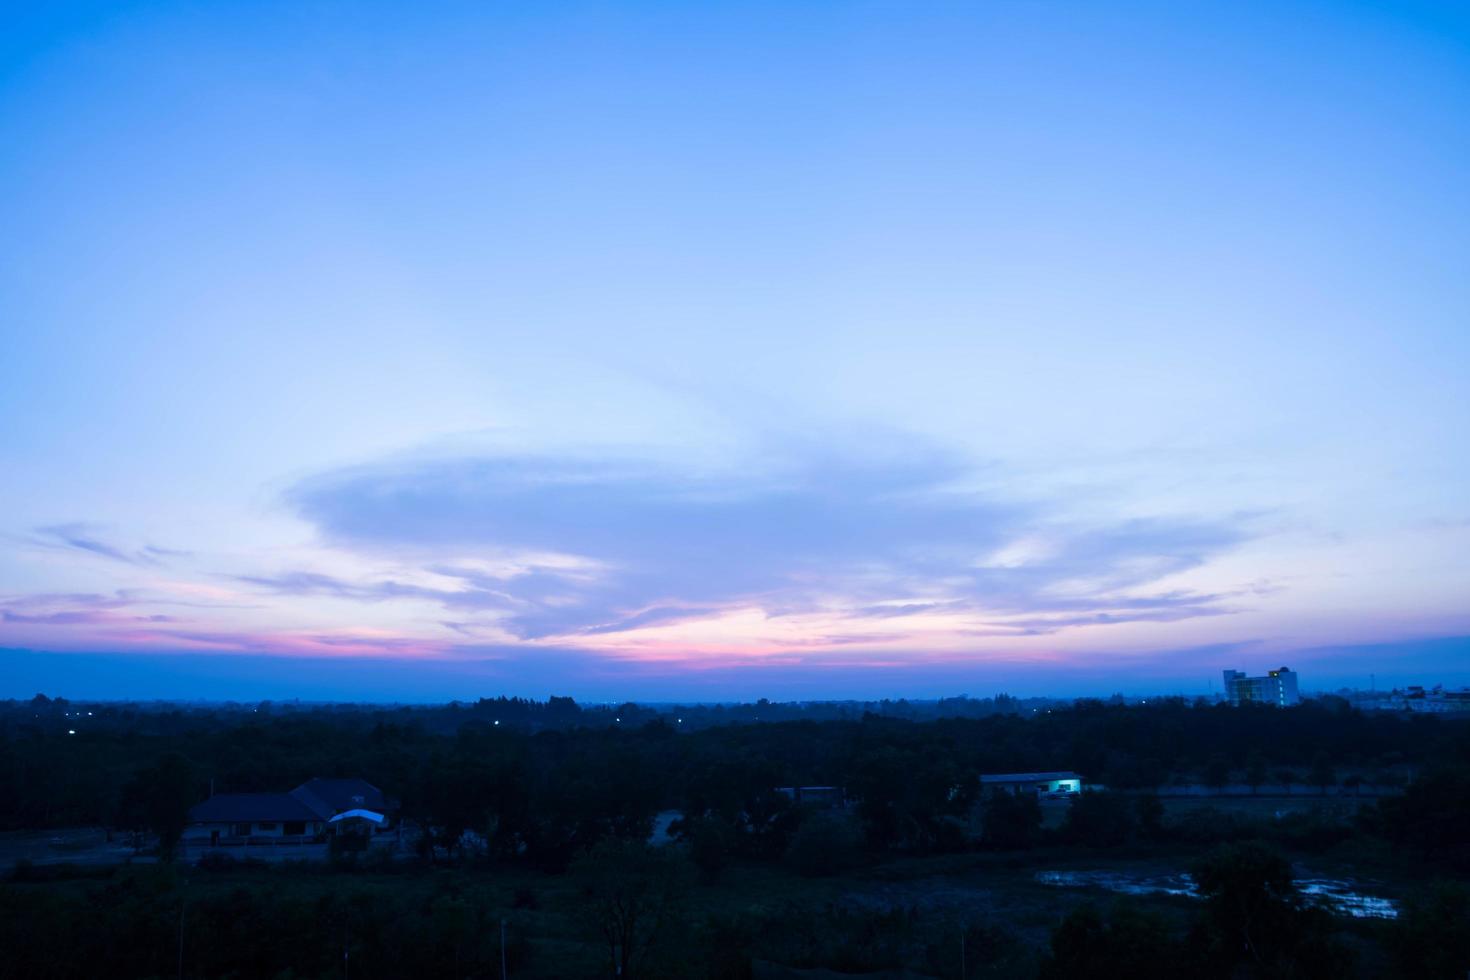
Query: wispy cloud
(84, 537)
(157, 552)
(641, 544)
(299, 583)
(79, 617)
(842, 548)
(305, 643)
(122, 608)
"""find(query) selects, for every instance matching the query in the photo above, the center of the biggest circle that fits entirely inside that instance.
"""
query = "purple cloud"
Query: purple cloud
(879, 540)
(79, 536)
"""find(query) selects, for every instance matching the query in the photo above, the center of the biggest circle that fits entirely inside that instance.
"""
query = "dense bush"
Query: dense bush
(1123, 942)
(1256, 920)
(1431, 937)
(825, 843)
(1432, 816)
(1011, 821)
(1100, 819)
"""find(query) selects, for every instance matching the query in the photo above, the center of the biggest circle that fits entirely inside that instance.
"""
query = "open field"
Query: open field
(74, 845)
(1262, 807)
(90, 845)
(907, 910)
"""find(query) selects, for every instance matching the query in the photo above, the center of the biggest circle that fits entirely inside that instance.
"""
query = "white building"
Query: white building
(1435, 701)
(1040, 783)
(1278, 688)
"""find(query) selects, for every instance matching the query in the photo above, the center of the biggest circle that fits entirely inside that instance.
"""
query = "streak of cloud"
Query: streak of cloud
(84, 537)
(845, 536)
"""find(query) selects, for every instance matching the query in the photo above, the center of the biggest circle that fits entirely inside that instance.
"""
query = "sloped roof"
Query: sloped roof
(315, 799)
(251, 808)
(329, 796)
(1027, 777)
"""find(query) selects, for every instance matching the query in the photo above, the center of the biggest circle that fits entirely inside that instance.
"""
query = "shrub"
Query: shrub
(1012, 821)
(824, 844)
(1099, 819)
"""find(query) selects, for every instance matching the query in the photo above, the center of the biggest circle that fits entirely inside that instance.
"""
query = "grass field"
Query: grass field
(884, 913)
(1262, 807)
(875, 917)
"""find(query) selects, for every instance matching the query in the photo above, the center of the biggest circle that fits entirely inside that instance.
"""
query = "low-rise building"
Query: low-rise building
(1435, 700)
(1040, 783)
(308, 813)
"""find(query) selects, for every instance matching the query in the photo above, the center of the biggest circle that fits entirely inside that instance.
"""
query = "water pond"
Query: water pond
(1339, 895)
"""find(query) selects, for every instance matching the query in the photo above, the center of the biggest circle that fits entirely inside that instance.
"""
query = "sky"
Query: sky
(725, 350)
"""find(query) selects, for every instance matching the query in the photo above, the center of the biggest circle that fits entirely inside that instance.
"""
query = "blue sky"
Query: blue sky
(658, 349)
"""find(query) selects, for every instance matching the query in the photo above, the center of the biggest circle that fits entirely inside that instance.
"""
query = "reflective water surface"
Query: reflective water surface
(1339, 895)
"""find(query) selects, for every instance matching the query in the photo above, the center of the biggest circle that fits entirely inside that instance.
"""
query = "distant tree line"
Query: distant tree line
(542, 781)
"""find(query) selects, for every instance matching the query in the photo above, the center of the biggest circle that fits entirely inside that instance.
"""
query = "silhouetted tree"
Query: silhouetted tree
(1431, 936)
(1286, 777)
(1255, 772)
(1012, 820)
(1255, 917)
(1123, 943)
(631, 892)
(1217, 773)
(158, 798)
(1099, 819)
(825, 843)
(1322, 775)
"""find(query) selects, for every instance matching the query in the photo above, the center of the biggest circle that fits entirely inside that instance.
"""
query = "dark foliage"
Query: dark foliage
(1431, 938)
(1124, 942)
(558, 793)
(1101, 819)
(1256, 920)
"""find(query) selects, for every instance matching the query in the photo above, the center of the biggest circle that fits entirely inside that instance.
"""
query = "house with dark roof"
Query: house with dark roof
(309, 813)
(341, 795)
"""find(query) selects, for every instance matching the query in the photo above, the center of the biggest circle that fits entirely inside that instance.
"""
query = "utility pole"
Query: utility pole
(502, 949)
(183, 904)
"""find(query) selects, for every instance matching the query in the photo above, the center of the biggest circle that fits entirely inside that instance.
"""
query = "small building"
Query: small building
(236, 818)
(307, 814)
(1040, 783)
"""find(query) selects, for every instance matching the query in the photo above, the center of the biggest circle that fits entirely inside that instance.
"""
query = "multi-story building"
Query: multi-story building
(1278, 687)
